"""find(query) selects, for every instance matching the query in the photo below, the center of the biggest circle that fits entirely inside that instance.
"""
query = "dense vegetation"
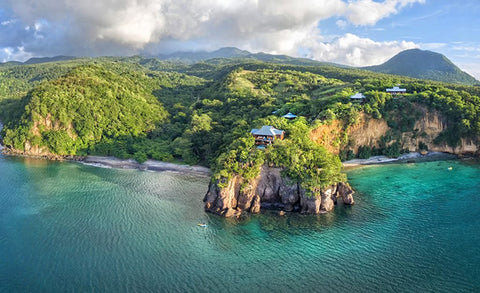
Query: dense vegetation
(203, 113)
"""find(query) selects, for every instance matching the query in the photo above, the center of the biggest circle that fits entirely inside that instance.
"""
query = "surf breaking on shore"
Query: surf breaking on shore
(148, 165)
(431, 156)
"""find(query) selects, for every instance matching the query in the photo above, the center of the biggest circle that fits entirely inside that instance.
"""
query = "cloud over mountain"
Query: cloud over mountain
(99, 27)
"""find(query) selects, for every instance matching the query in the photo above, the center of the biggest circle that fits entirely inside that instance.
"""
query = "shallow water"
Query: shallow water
(71, 227)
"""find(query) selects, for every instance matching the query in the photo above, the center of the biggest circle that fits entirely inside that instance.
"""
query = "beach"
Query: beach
(150, 165)
(414, 156)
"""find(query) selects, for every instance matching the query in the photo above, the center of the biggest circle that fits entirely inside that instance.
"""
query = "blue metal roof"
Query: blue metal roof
(267, 130)
(289, 115)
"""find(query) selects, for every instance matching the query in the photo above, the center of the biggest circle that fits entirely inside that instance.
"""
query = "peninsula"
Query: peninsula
(273, 134)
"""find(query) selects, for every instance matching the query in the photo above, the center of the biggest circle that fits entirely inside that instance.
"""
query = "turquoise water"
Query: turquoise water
(66, 227)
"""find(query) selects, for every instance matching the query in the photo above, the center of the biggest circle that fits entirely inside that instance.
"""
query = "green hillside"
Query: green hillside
(425, 65)
(89, 110)
(135, 107)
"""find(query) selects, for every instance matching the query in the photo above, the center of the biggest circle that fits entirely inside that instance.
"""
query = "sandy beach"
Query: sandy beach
(149, 165)
(431, 156)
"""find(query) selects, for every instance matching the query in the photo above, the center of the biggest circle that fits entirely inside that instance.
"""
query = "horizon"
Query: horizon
(206, 51)
(354, 33)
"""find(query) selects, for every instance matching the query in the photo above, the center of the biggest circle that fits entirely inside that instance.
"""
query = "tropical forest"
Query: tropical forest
(203, 113)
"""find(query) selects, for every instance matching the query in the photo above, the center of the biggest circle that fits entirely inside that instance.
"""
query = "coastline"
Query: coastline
(112, 162)
(149, 165)
(405, 158)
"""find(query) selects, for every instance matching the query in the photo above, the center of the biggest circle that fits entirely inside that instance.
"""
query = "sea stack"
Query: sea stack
(270, 190)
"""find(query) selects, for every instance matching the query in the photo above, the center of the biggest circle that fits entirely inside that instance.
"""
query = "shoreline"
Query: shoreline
(160, 166)
(149, 165)
(404, 158)
(116, 163)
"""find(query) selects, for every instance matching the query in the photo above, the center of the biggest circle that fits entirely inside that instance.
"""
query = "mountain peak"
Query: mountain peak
(424, 64)
(235, 53)
(38, 60)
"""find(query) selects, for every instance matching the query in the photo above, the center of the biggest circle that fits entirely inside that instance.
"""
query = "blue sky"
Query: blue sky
(353, 32)
(448, 27)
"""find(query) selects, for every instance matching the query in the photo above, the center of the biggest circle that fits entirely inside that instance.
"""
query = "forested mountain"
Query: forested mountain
(194, 57)
(49, 59)
(235, 55)
(426, 65)
(412, 63)
(203, 113)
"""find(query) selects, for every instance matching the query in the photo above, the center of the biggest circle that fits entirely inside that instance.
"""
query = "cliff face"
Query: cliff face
(270, 190)
(428, 128)
(329, 135)
(369, 131)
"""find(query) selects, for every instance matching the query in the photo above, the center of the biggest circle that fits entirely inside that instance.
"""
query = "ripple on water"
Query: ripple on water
(70, 227)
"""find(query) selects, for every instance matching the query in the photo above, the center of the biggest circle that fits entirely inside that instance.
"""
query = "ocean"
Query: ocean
(68, 227)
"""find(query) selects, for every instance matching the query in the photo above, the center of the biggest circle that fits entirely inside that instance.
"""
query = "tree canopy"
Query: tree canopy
(134, 107)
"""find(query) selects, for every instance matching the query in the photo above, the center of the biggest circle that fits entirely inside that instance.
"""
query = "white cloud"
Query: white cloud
(369, 12)
(474, 50)
(471, 68)
(10, 53)
(433, 46)
(100, 27)
(341, 23)
(353, 50)
(8, 22)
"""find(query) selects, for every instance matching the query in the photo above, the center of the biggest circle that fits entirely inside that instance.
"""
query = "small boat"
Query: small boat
(202, 225)
(449, 168)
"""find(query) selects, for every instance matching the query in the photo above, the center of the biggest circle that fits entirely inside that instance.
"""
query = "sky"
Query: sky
(351, 32)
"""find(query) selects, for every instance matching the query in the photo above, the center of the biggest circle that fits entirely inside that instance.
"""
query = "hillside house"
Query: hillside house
(289, 116)
(267, 134)
(396, 91)
(357, 97)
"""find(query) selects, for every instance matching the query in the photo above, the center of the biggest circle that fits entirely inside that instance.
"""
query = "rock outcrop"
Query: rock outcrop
(431, 125)
(270, 190)
(369, 132)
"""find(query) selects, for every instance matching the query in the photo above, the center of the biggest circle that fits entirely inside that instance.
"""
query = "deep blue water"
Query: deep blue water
(66, 227)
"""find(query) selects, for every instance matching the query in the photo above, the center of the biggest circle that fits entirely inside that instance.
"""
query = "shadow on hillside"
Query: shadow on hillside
(184, 94)
(11, 109)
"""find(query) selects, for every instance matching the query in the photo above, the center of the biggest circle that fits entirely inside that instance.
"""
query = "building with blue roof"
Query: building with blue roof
(290, 116)
(267, 134)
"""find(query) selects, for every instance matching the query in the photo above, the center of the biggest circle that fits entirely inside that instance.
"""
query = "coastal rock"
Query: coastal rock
(328, 199)
(227, 197)
(230, 212)
(269, 182)
(247, 196)
(210, 198)
(270, 191)
(345, 192)
(309, 204)
(221, 201)
(289, 194)
(256, 204)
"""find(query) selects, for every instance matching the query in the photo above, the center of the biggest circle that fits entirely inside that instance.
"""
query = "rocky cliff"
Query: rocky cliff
(366, 132)
(369, 132)
(270, 190)
(427, 128)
